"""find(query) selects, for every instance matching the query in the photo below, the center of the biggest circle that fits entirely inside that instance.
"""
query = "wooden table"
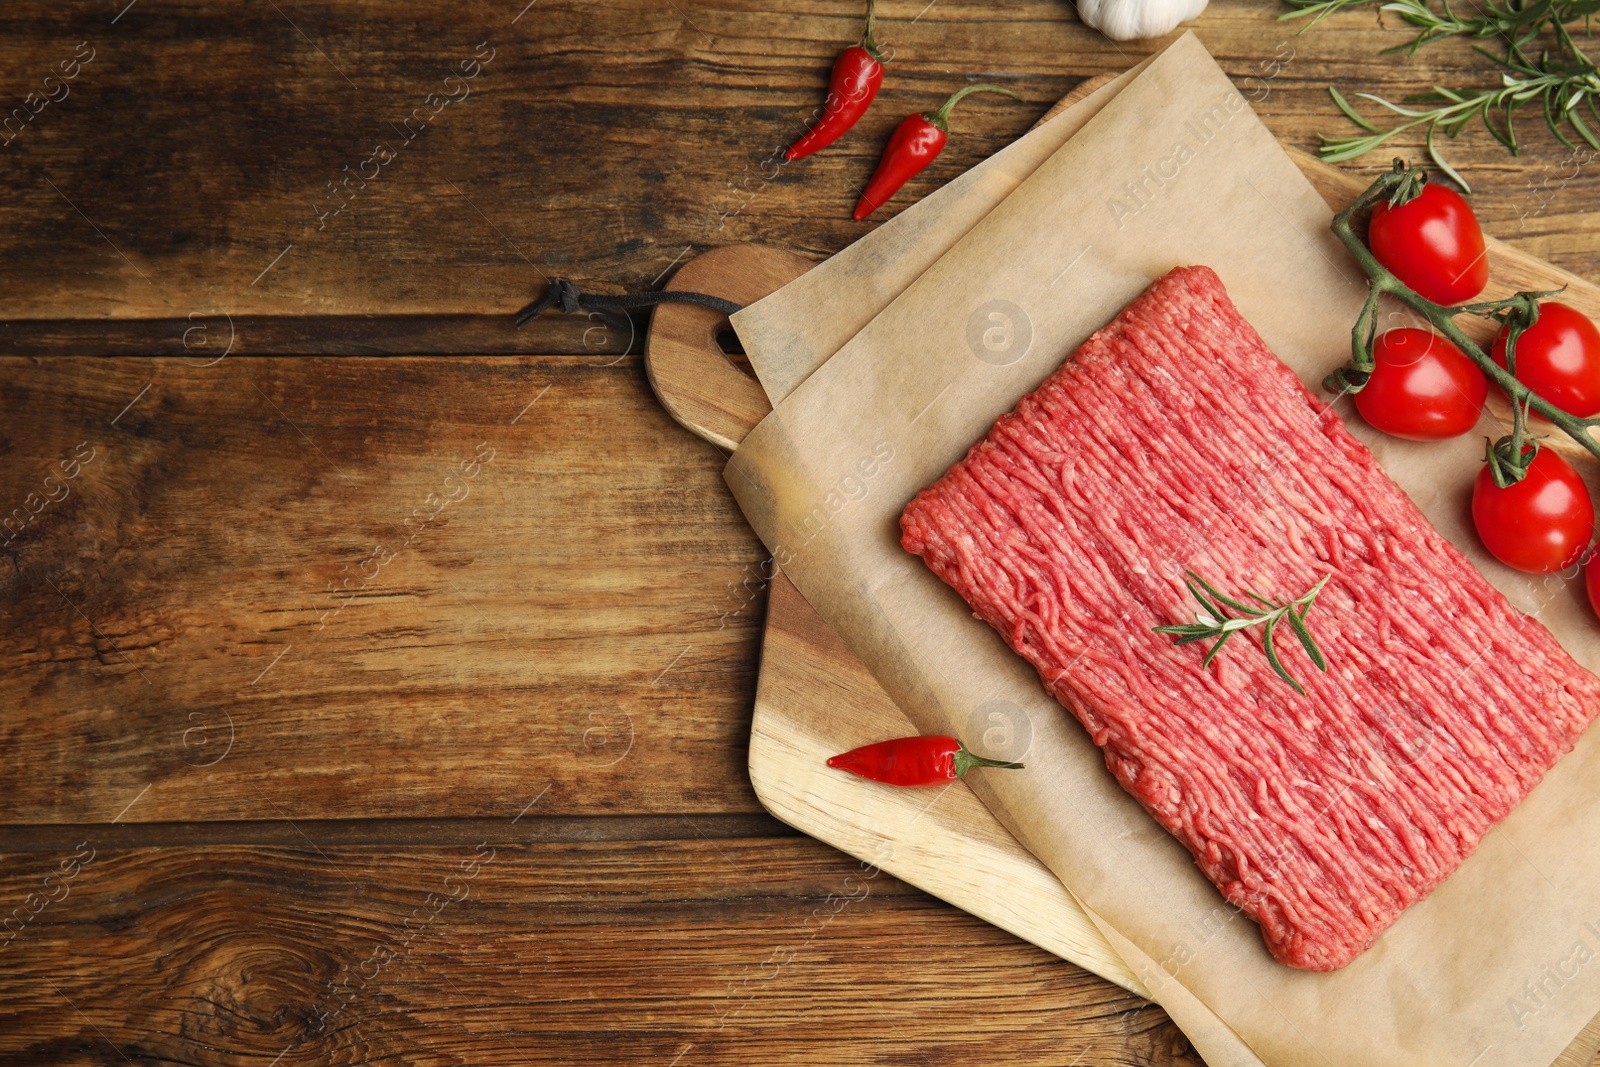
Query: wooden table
(389, 702)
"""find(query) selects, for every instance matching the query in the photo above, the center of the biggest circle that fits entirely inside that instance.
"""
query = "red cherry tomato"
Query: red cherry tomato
(1433, 244)
(1423, 388)
(1558, 357)
(1540, 525)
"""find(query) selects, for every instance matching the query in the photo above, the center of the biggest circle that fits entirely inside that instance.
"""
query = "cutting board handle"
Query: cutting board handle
(692, 377)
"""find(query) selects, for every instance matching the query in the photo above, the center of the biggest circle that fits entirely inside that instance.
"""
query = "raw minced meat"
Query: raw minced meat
(1174, 439)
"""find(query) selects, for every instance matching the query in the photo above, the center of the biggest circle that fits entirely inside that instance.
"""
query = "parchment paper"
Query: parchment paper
(1499, 965)
(791, 339)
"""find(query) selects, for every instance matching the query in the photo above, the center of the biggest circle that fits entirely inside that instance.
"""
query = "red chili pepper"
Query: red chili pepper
(857, 75)
(915, 143)
(929, 760)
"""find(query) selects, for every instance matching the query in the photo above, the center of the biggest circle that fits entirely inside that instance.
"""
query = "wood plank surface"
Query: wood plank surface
(489, 950)
(366, 588)
(600, 139)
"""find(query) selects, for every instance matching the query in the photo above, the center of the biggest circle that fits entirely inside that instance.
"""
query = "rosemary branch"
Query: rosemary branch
(1563, 83)
(1563, 92)
(1517, 22)
(1214, 622)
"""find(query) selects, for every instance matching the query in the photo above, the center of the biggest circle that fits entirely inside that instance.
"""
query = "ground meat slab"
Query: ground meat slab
(1174, 439)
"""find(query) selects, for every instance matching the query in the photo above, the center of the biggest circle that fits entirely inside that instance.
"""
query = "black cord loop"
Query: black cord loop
(565, 297)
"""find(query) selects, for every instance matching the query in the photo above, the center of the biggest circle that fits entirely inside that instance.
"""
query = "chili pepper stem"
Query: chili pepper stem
(1353, 378)
(868, 41)
(965, 761)
(941, 117)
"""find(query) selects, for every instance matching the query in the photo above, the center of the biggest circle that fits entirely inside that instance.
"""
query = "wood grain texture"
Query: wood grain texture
(203, 336)
(601, 141)
(731, 952)
(257, 599)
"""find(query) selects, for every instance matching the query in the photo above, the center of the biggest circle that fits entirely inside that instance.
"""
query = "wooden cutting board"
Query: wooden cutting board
(814, 698)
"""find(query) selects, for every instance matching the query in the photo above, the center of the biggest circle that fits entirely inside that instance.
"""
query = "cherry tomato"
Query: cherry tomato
(1433, 244)
(1558, 357)
(1540, 525)
(1423, 388)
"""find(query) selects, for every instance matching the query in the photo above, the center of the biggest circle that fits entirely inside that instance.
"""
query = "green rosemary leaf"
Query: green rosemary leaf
(1583, 128)
(1192, 638)
(1556, 76)
(1219, 596)
(1440, 162)
(1188, 629)
(1337, 150)
(1317, 9)
(1553, 117)
(1297, 623)
(1188, 632)
(1509, 60)
(1208, 610)
(1349, 112)
(1508, 115)
(1193, 583)
(1517, 22)
(1420, 98)
(1277, 664)
(1212, 654)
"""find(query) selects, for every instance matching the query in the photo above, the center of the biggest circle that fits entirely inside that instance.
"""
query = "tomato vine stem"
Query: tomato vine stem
(1516, 313)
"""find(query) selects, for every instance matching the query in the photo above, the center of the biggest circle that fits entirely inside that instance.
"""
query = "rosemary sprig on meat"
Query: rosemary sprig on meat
(1213, 622)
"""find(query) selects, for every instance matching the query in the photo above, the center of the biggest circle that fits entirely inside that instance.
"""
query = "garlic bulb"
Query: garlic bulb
(1128, 20)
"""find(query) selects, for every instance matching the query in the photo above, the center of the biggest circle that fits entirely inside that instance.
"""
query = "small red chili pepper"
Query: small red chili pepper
(915, 143)
(857, 75)
(928, 760)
